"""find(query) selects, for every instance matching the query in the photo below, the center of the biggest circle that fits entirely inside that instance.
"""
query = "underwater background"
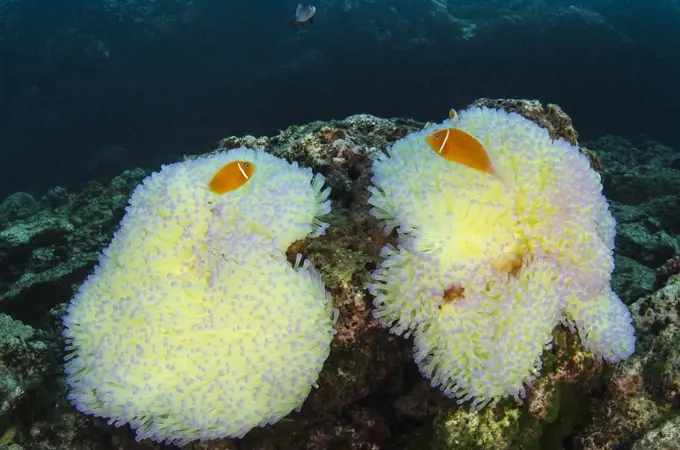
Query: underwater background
(97, 94)
(88, 87)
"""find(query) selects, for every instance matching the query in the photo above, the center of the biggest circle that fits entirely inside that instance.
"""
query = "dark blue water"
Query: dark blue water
(91, 87)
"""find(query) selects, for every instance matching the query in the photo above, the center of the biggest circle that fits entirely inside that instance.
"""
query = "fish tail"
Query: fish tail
(496, 173)
(492, 169)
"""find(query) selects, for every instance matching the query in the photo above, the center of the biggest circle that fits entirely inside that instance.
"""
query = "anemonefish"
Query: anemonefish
(231, 176)
(457, 145)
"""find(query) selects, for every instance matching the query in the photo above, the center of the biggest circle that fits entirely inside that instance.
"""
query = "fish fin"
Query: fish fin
(311, 20)
(495, 172)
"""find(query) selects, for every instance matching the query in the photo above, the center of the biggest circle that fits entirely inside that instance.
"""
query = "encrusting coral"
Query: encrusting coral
(194, 325)
(487, 266)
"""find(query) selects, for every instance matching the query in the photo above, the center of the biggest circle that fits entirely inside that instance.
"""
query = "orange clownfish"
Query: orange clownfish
(231, 176)
(457, 145)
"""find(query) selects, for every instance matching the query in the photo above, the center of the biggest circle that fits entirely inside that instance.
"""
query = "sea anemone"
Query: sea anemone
(488, 263)
(194, 325)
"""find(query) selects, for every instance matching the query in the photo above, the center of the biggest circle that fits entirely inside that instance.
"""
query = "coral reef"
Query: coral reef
(645, 390)
(370, 394)
(641, 181)
(43, 255)
(669, 268)
(666, 437)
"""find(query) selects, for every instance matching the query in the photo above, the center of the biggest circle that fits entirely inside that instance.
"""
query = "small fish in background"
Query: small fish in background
(304, 14)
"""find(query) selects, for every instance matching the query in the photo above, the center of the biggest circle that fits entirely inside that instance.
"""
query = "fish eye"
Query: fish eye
(436, 136)
(247, 165)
